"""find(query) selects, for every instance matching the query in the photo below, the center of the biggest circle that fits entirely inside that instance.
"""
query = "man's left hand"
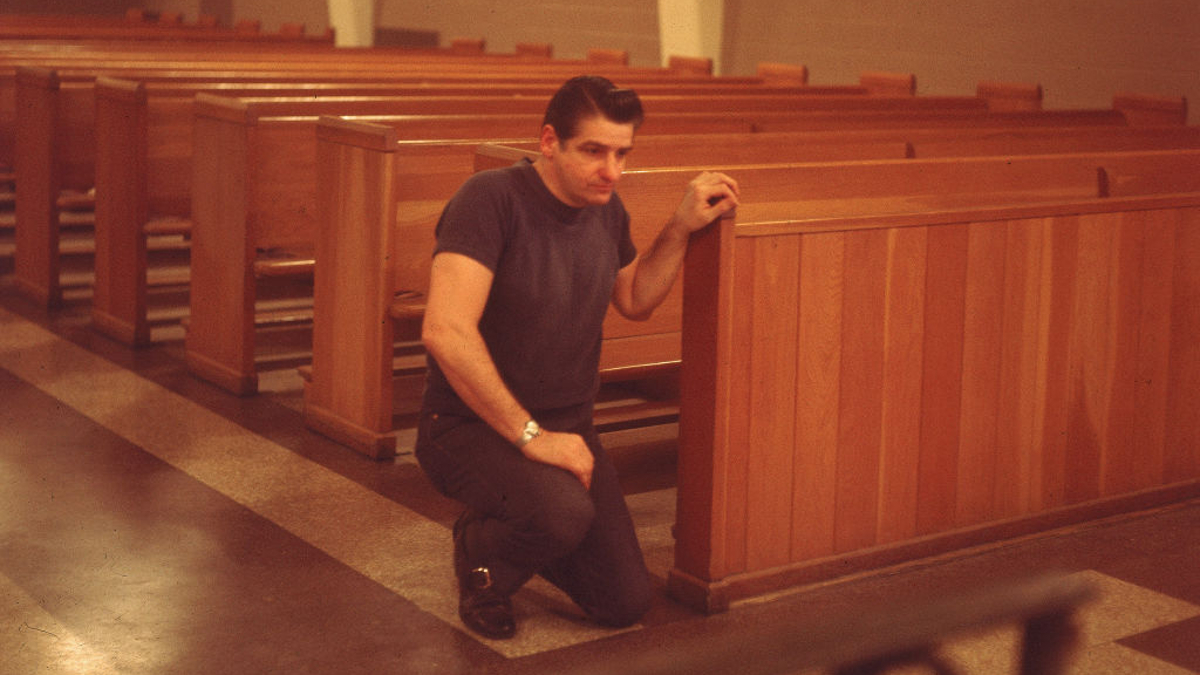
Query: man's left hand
(709, 196)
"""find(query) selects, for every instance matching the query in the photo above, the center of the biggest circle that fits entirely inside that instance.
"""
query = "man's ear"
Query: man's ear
(548, 140)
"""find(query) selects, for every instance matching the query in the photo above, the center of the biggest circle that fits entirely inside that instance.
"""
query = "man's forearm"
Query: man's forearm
(467, 365)
(658, 269)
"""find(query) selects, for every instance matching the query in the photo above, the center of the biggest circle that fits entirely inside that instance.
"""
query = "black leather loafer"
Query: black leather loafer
(480, 607)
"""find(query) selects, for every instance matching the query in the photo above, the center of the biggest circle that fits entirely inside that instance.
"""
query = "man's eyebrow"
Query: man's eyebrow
(605, 146)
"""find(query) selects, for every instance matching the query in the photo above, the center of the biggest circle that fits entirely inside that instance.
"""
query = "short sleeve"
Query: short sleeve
(473, 221)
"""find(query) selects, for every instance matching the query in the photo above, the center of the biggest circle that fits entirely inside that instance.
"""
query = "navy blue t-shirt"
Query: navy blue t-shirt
(554, 266)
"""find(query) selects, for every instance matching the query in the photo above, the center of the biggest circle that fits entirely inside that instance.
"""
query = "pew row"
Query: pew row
(424, 176)
(143, 172)
(58, 147)
(269, 205)
(168, 28)
(666, 150)
(348, 395)
(79, 64)
(868, 389)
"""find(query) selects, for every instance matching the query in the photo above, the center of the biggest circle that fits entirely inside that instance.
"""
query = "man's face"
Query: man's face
(584, 170)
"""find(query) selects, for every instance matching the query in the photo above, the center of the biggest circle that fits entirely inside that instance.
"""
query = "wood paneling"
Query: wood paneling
(886, 385)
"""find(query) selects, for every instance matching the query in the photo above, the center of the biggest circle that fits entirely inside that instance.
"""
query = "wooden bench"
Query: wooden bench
(666, 150)
(229, 216)
(873, 387)
(1169, 173)
(222, 61)
(370, 193)
(58, 149)
(168, 28)
(220, 335)
(143, 156)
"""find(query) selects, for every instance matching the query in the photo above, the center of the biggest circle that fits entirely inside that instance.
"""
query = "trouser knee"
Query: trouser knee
(554, 530)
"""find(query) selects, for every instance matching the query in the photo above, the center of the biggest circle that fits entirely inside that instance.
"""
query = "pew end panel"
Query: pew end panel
(1166, 172)
(690, 65)
(534, 50)
(1010, 96)
(889, 84)
(782, 73)
(349, 396)
(36, 258)
(1146, 109)
(54, 147)
(610, 57)
(220, 344)
(934, 351)
(119, 298)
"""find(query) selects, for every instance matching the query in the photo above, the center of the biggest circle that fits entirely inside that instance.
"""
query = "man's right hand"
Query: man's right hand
(566, 451)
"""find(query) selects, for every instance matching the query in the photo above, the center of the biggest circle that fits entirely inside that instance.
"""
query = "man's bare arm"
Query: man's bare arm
(643, 285)
(458, 290)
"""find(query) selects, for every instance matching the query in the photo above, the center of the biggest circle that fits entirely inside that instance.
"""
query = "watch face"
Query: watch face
(532, 431)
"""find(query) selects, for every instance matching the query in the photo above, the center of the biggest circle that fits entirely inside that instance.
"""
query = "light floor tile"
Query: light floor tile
(389, 543)
(1121, 609)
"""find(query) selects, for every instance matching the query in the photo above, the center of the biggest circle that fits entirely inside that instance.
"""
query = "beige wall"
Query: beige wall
(572, 26)
(1081, 52)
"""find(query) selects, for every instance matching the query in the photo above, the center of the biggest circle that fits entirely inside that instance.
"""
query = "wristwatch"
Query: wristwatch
(531, 431)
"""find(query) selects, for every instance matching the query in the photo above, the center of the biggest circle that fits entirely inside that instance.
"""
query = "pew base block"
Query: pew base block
(709, 597)
(717, 595)
(373, 444)
(209, 370)
(120, 330)
(49, 298)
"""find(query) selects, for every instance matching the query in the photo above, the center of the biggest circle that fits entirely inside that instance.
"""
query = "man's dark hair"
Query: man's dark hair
(589, 95)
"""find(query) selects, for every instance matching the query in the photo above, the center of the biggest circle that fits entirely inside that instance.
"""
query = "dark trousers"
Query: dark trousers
(529, 518)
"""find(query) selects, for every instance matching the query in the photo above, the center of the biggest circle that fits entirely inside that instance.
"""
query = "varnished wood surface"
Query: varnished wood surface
(969, 372)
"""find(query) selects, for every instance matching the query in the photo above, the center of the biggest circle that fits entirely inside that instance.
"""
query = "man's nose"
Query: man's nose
(612, 167)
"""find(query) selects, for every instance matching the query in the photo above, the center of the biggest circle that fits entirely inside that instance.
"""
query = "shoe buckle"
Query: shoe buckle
(479, 578)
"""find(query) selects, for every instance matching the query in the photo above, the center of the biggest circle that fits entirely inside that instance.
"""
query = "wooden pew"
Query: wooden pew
(632, 350)
(666, 150)
(1173, 173)
(695, 65)
(1003, 96)
(257, 67)
(234, 209)
(220, 340)
(782, 72)
(361, 196)
(250, 63)
(220, 334)
(143, 156)
(928, 381)
(173, 29)
(110, 58)
(61, 141)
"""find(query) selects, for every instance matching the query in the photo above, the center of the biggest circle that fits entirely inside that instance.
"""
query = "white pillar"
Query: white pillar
(353, 22)
(691, 28)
